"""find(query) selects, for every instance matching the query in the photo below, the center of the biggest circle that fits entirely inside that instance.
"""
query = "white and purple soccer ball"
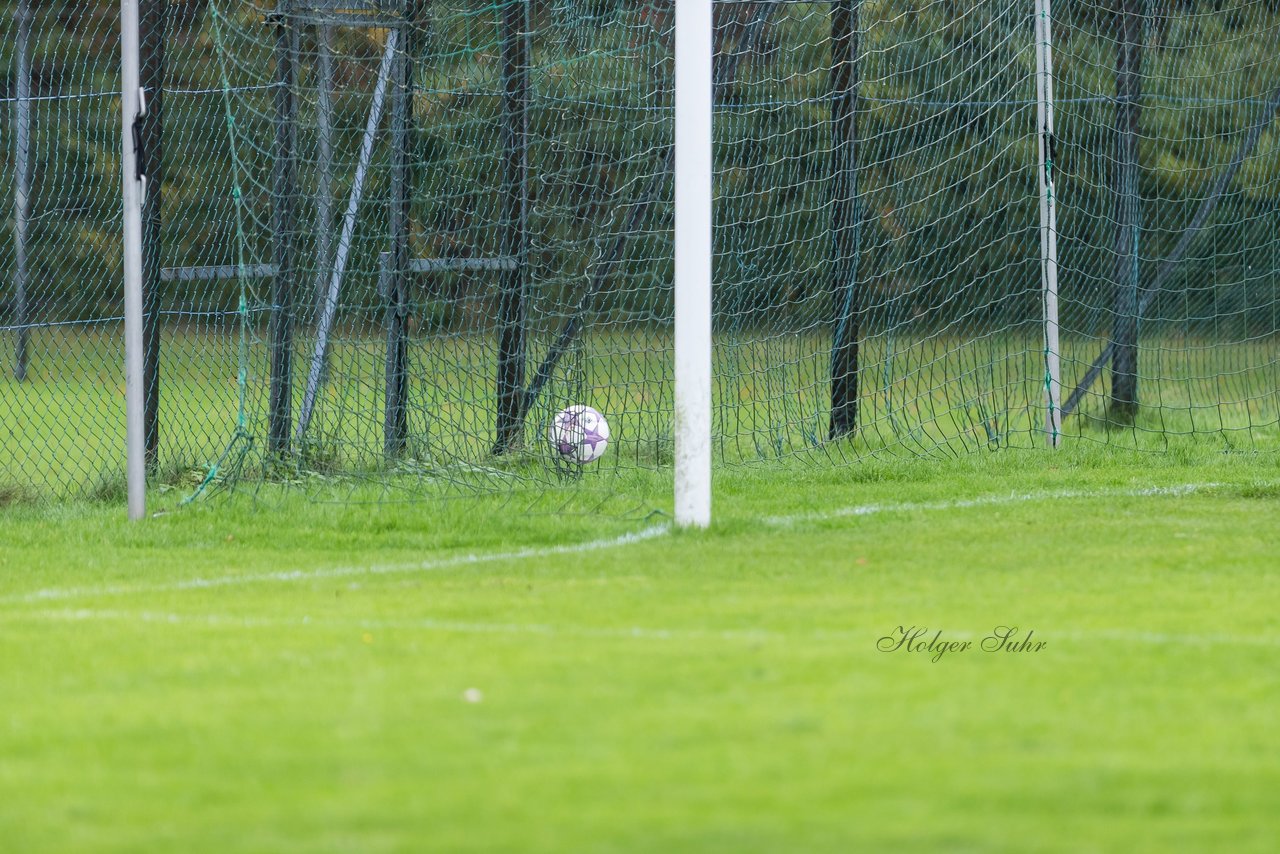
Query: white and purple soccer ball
(579, 434)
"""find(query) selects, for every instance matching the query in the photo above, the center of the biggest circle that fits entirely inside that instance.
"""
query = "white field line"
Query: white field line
(988, 501)
(515, 556)
(360, 624)
(520, 555)
(852, 640)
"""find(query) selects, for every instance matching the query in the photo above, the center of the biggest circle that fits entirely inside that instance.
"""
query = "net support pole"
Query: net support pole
(153, 20)
(846, 217)
(133, 191)
(329, 312)
(1124, 362)
(512, 309)
(694, 51)
(395, 427)
(21, 187)
(283, 225)
(1048, 222)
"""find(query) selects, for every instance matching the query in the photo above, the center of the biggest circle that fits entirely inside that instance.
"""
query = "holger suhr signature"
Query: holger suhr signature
(921, 639)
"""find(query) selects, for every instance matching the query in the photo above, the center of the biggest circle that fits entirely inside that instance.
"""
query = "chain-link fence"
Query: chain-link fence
(388, 240)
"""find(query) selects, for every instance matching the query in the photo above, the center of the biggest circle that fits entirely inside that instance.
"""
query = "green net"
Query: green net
(1169, 176)
(389, 241)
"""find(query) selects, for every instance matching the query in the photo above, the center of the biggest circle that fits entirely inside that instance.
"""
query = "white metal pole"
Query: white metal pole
(693, 199)
(324, 158)
(1048, 221)
(21, 190)
(132, 103)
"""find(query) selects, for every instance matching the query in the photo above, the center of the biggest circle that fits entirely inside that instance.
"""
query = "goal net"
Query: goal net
(393, 238)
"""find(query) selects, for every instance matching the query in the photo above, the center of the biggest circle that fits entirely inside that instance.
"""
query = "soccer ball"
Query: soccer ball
(579, 434)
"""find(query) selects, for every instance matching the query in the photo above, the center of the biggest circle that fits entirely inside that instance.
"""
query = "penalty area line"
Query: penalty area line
(456, 562)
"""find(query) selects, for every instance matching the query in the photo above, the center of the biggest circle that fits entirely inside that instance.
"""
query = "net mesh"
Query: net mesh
(390, 240)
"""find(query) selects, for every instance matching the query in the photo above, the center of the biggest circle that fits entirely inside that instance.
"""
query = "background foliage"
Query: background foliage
(946, 125)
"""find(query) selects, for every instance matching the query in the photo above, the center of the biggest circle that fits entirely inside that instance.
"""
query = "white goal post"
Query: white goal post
(693, 211)
(1048, 222)
(132, 108)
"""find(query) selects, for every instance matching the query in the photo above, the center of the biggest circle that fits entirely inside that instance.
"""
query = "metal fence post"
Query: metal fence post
(1124, 361)
(324, 161)
(284, 186)
(21, 188)
(513, 310)
(846, 217)
(395, 409)
(152, 20)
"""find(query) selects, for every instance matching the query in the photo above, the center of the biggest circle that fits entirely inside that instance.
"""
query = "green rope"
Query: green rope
(241, 445)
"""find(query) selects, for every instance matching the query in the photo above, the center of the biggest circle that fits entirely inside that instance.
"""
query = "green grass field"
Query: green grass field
(461, 676)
